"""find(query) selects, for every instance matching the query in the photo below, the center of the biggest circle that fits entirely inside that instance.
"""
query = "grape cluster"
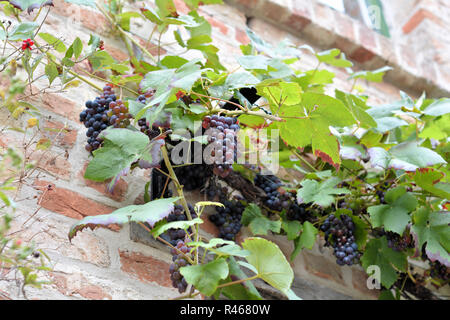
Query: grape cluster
(173, 235)
(118, 114)
(179, 260)
(222, 137)
(228, 218)
(299, 212)
(211, 191)
(193, 176)
(275, 200)
(144, 126)
(397, 242)
(95, 117)
(439, 271)
(342, 237)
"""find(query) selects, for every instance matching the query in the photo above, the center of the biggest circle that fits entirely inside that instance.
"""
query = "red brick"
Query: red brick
(408, 56)
(145, 268)
(92, 20)
(242, 37)
(116, 53)
(298, 19)
(55, 103)
(68, 203)
(361, 55)
(345, 26)
(68, 287)
(273, 11)
(66, 136)
(323, 268)
(152, 48)
(209, 227)
(417, 18)
(386, 48)
(118, 193)
(217, 24)
(359, 281)
(181, 7)
(249, 4)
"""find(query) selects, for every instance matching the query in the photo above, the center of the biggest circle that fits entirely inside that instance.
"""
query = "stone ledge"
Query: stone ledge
(327, 28)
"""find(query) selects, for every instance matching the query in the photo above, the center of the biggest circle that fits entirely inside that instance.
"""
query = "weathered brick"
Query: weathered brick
(118, 193)
(322, 267)
(407, 57)
(92, 20)
(65, 136)
(145, 268)
(359, 281)
(209, 227)
(417, 18)
(299, 18)
(68, 203)
(76, 284)
(116, 53)
(367, 37)
(361, 55)
(56, 164)
(275, 11)
(55, 103)
(241, 36)
(345, 26)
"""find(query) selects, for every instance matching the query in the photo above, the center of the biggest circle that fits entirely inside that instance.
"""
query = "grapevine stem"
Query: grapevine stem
(167, 243)
(111, 20)
(303, 159)
(179, 187)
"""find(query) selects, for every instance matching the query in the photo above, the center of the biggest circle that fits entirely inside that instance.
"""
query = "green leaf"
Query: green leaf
(254, 62)
(437, 129)
(51, 72)
(30, 5)
(378, 253)
(257, 222)
(374, 75)
(313, 117)
(432, 229)
(292, 228)
(320, 193)
(166, 8)
(240, 291)
(53, 41)
(125, 17)
(77, 47)
(329, 57)
(357, 107)
(175, 225)
(438, 108)
(406, 156)
(394, 216)
(121, 148)
(238, 80)
(306, 239)
(270, 263)
(22, 31)
(150, 213)
(205, 277)
(428, 179)
(193, 4)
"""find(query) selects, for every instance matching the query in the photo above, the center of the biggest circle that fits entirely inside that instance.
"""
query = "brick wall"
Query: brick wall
(105, 263)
